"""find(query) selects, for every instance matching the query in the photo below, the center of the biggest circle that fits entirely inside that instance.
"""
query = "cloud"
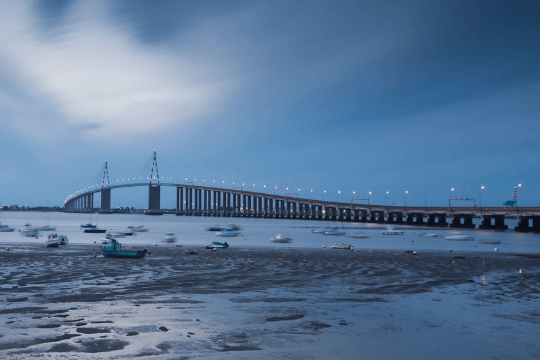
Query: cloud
(100, 78)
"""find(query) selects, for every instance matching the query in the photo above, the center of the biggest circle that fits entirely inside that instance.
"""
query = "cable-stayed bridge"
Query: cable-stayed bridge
(196, 200)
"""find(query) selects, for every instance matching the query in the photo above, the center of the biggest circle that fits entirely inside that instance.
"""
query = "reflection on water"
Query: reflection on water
(192, 231)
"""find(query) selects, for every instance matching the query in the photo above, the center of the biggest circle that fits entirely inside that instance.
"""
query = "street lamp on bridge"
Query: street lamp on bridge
(404, 198)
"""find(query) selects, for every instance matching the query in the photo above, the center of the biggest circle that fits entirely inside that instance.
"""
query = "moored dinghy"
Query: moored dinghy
(169, 238)
(280, 239)
(227, 232)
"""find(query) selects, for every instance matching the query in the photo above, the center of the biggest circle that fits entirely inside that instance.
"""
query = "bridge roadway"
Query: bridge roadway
(195, 200)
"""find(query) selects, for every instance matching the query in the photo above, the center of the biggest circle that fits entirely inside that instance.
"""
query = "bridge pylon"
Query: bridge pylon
(154, 190)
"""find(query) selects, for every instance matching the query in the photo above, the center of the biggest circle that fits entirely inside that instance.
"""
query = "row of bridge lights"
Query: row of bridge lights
(310, 193)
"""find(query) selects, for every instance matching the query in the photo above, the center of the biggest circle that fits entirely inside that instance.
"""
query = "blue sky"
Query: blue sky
(343, 96)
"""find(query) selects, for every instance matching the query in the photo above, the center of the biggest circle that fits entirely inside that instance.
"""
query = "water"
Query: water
(191, 231)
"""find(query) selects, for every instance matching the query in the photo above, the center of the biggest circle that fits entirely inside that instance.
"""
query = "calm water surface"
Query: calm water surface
(191, 231)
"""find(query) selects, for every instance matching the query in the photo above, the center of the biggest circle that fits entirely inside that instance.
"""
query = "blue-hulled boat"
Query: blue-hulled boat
(113, 249)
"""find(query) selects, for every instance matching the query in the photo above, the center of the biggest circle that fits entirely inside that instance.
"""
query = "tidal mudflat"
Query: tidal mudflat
(247, 303)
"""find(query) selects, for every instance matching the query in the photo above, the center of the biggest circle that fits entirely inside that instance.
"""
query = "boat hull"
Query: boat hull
(124, 254)
(94, 231)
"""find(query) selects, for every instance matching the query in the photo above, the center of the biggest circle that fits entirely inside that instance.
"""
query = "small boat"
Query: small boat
(169, 238)
(337, 245)
(53, 240)
(5, 228)
(429, 235)
(392, 232)
(29, 231)
(113, 249)
(46, 228)
(215, 228)
(334, 231)
(88, 226)
(233, 227)
(216, 244)
(318, 231)
(94, 230)
(137, 228)
(358, 236)
(280, 239)
(227, 232)
(494, 241)
(459, 238)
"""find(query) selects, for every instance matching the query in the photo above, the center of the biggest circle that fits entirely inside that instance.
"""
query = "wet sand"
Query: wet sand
(268, 303)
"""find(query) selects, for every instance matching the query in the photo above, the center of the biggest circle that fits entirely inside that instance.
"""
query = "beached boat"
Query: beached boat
(137, 228)
(113, 249)
(53, 240)
(459, 238)
(358, 236)
(227, 232)
(280, 239)
(429, 235)
(218, 245)
(318, 231)
(494, 241)
(337, 245)
(169, 238)
(334, 231)
(392, 232)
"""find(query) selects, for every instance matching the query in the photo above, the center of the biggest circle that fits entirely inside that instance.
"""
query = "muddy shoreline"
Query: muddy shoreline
(66, 301)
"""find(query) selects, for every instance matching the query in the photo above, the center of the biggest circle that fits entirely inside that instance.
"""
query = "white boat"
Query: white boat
(227, 232)
(46, 228)
(358, 236)
(5, 228)
(334, 231)
(392, 232)
(429, 235)
(29, 231)
(118, 234)
(280, 239)
(169, 238)
(459, 238)
(318, 231)
(337, 245)
(137, 228)
(53, 240)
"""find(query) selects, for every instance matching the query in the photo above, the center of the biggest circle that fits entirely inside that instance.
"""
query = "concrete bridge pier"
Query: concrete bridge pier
(376, 216)
(154, 198)
(524, 223)
(466, 223)
(228, 206)
(415, 218)
(348, 215)
(437, 220)
(493, 222)
(105, 200)
(395, 217)
(179, 201)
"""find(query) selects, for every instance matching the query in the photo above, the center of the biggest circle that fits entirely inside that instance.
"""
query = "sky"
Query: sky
(342, 96)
